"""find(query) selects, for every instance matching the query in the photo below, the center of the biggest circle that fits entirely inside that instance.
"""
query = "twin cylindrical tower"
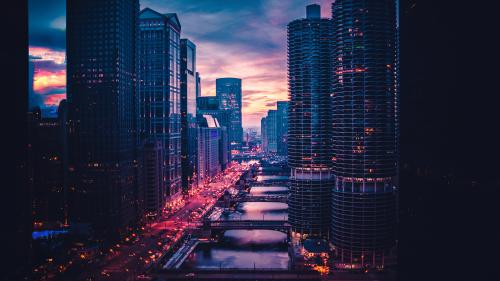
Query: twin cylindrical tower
(343, 131)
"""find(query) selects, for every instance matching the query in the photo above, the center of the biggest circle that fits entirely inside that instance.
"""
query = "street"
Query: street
(130, 259)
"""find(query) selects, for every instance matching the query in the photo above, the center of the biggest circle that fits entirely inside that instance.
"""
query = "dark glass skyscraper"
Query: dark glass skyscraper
(309, 131)
(364, 131)
(101, 49)
(189, 92)
(228, 91)
(159, 104)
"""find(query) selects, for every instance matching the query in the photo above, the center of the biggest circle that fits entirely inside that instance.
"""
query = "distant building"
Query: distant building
(101, 65)
(159, 88)
(271, 131)
(263, 134)
(282, 127)
(309, 131)
(228, 91)
(152, 176)
(209, 105)
(209, 134)
(189, 92)
(198, 85)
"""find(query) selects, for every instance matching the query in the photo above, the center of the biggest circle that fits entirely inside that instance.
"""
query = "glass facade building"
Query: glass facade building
(228, 91)
(101, 53)
(365, 134)
(309, 130)
(159, 86)
(189, 92)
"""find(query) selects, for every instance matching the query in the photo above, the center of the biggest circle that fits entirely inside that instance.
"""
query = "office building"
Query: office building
(101, 56)
(228, 91)
(209, 135)
(365, 137)
(159, 87)
(309, 129)
(189, 91)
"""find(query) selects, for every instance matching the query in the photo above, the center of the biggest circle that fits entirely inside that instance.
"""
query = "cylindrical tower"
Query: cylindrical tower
(364, 131)
(309, 132)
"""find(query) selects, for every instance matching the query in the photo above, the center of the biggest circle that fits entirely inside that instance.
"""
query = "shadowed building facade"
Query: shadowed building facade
(189, 91)
(365, 134)
(309, 130)
(101, 53)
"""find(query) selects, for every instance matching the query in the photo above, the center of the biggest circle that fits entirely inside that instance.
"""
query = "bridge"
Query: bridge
(223, 225)
(266, 198)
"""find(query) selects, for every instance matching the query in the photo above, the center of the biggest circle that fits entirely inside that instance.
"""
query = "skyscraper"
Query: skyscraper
(101, 49)
(159, 101)
(282, 127)
(272, 131)
(309, 130)
(189, 93)
(228, 91)
(364, 131)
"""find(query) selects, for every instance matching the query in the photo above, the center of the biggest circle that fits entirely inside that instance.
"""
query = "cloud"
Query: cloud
(237, 38)
(59, 23)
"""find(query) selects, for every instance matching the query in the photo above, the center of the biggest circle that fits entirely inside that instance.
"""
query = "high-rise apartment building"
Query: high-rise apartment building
(228, 91)
(159, 88)
(101, 57)
(189, 91)
(282, 127)
(309, 130)
(365, 126)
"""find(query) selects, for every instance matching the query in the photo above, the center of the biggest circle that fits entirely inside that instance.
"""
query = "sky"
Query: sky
(239, 38)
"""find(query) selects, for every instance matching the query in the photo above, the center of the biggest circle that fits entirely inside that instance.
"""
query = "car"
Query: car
(144, 277)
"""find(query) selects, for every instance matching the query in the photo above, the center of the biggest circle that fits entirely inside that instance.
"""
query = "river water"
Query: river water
(247, 248)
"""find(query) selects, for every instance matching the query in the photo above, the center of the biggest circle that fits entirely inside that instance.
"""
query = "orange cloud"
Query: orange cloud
(45, 80)
(54, 100)
(43, 53)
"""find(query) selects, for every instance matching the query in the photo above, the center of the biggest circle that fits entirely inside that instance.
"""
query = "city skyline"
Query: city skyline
(242, 39)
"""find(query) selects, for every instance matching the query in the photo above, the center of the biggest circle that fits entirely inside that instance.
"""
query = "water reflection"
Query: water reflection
(268, 190)
(242, 249)
(258, 211)
(272, 178)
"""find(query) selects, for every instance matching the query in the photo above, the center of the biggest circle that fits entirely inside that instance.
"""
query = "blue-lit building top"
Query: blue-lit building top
(228, 91)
